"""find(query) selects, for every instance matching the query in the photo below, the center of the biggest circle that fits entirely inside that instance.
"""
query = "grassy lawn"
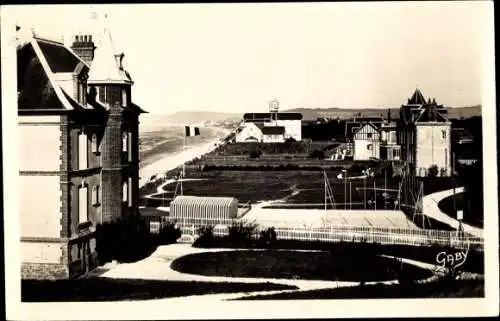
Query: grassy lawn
(293, 264)
(457, 289)
(351, 250)
(104, 289)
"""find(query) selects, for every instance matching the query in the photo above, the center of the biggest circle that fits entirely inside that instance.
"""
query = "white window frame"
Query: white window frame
(369, 135)
(443, 134)
(369, 147)
(82, 151)
(83, 209)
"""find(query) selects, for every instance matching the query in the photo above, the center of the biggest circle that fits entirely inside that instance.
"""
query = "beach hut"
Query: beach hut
(204, 208)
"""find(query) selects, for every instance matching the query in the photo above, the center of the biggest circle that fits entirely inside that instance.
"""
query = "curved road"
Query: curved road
(431, 209)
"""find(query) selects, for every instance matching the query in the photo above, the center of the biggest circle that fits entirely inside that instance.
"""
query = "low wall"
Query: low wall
(44, 271)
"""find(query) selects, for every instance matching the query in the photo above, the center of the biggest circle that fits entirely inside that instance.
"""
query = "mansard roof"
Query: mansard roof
(58, 56)
(37, 87)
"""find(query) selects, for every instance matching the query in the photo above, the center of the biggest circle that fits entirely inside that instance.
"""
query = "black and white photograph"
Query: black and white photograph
(255, 160)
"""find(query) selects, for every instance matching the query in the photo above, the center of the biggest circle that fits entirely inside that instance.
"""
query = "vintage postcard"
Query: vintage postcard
(259, 160)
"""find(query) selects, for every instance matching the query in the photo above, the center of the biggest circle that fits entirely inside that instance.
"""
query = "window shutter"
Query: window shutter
(124, 97)
(124, 142)
(94, 144)
(125, 192)
(130, 191)
(82, 204)
(95, 195)
(82, 151)
(130, 146)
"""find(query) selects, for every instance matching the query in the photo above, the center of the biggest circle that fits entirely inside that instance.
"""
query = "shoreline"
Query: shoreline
(163, 162)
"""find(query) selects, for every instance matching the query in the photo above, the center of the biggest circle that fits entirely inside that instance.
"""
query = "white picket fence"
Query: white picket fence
(379, 235)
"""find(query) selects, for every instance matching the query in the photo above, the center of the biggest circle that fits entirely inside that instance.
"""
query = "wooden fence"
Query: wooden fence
(379, 235)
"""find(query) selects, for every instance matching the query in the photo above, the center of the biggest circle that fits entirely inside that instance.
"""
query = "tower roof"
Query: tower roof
(417, 98)
(106, 66)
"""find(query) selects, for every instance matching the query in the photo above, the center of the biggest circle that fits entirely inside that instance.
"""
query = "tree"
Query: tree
(268, 236)
(169, 233)
(432, 171)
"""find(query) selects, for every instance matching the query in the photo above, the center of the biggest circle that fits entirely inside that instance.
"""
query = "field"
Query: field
(293, 187)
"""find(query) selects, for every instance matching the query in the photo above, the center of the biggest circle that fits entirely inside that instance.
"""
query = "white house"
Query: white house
(291, 122)
(366, 142)
(389, 148)
(248, 132)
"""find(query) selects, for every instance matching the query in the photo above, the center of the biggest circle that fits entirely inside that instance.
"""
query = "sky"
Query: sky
(237, 57)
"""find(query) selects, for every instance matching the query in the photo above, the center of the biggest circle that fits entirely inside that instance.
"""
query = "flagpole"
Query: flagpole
(183, 172)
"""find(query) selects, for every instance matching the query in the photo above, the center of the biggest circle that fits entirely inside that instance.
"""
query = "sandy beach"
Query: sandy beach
(163, 162)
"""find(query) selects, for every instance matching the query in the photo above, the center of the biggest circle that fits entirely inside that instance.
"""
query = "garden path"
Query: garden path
(158, 267)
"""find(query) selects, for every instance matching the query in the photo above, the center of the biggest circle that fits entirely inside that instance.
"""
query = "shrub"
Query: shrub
(241, 233)
(169, 233)
(356, 169)
(206, 237)
(255, 153)
(268, 237)
(432, 171)
(125, 240)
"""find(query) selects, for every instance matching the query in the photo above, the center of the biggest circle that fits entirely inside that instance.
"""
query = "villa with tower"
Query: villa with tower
(78, 143)
(424, 135)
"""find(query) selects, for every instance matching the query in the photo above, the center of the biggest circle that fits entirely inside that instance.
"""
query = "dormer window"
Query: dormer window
(101, 93)
(82, 90)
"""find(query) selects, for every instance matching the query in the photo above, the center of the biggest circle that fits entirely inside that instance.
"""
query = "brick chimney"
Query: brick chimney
(84, 47)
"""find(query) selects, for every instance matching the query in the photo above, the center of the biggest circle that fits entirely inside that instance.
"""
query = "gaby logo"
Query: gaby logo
(452, 259)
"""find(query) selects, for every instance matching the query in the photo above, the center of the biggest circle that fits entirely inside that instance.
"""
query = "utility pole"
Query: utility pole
(375, 193)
